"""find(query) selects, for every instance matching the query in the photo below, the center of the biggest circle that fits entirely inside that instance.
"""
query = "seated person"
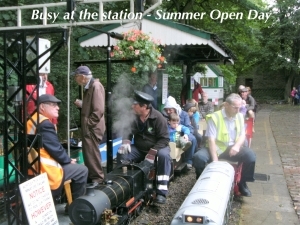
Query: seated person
(190, 108)
(205, 107)
(172, 107)
(196, 115)
(151, 138)
(54, 159)
(226, 136)
(176, 130)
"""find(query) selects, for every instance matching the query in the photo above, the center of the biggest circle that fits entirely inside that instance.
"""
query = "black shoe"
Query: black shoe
(160, 199)
(244, 190)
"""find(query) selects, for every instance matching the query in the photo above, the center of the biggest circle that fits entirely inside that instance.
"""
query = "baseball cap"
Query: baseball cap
(82, 70)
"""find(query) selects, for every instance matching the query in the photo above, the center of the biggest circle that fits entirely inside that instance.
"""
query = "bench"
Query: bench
(175, 154)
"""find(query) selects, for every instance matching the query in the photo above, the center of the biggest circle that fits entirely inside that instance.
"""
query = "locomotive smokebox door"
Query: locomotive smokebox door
(88, 209)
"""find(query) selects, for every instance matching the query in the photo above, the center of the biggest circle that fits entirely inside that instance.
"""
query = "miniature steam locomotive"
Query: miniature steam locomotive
(127, 190)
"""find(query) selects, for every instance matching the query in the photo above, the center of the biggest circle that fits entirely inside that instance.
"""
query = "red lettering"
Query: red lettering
(41, 210)
(36, 192)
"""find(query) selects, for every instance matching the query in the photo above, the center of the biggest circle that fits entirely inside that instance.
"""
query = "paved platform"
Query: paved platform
(276, 194)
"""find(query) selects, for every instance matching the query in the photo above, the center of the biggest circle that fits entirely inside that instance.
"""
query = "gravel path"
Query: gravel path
(178, 190)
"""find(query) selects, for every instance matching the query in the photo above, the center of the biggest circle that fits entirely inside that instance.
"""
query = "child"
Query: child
(194, 110)
(190, 108)
(176, 130)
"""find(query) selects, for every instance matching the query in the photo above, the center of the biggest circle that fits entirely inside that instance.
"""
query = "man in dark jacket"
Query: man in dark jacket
(151, 138)
(53, 157)
(92, 121)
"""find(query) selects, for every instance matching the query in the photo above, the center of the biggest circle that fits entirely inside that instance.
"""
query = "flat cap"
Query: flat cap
(142, 98)
(48, 98)
(82, 70)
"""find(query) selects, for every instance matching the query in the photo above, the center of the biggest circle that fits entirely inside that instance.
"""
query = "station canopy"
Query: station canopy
(181, 42)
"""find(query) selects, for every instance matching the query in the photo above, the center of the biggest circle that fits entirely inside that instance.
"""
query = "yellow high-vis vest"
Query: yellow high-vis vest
(222, 140)
(47, 163)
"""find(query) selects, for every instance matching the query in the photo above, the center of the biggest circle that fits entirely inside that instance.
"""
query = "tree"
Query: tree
(239, 33)
(280, 41)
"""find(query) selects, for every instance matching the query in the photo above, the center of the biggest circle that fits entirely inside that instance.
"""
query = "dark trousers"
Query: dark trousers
(78, 174)
(163, 169)
(189, 153)
(245, 155)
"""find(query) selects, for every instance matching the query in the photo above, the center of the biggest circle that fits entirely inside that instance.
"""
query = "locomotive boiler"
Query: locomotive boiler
(128, 188)
(209, 201)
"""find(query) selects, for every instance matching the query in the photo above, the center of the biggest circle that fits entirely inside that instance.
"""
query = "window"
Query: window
(220, 81)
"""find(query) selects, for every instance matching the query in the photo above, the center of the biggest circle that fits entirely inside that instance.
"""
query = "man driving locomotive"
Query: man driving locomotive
(151, 139)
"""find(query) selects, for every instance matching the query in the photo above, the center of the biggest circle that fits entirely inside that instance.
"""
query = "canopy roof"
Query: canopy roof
(211, 71)
(181, 42)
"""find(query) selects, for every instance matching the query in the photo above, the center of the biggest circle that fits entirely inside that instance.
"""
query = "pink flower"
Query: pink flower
(130, 47)
(137, 52)
(116, 48)
(112, 54)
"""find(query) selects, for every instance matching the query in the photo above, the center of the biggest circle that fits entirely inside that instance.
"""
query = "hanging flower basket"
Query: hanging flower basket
(138, 45)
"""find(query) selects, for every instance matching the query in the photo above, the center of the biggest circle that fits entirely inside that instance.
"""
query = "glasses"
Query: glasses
(235, 107)
(53, 104)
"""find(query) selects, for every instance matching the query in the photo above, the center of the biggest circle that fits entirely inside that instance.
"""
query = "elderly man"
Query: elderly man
(92, 121)
(54, 159)
(205, 107)
(45, 87)
(226, 136)
(172, 107)
(151, 138)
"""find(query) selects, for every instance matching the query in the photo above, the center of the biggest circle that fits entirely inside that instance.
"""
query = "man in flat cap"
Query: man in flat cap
(92, 121)
(151, 139)
(54, 159)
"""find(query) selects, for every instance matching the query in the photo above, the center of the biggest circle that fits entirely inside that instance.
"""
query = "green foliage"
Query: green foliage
(174, 80)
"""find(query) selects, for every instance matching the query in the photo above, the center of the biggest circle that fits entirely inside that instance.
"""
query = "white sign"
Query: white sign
(38, 201)
(164, 88)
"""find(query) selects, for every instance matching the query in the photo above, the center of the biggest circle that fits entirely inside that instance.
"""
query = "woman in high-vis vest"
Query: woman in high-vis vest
(226, 140)
(54, 159)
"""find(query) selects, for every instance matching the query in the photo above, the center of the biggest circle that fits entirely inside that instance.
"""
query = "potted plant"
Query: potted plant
(140, 46)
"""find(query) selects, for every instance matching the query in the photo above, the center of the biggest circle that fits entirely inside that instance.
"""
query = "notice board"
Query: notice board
(38, 201)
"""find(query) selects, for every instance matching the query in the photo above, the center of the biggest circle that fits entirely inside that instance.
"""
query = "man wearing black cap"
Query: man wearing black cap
(54, 159)
(151, 139)
(92, 121)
